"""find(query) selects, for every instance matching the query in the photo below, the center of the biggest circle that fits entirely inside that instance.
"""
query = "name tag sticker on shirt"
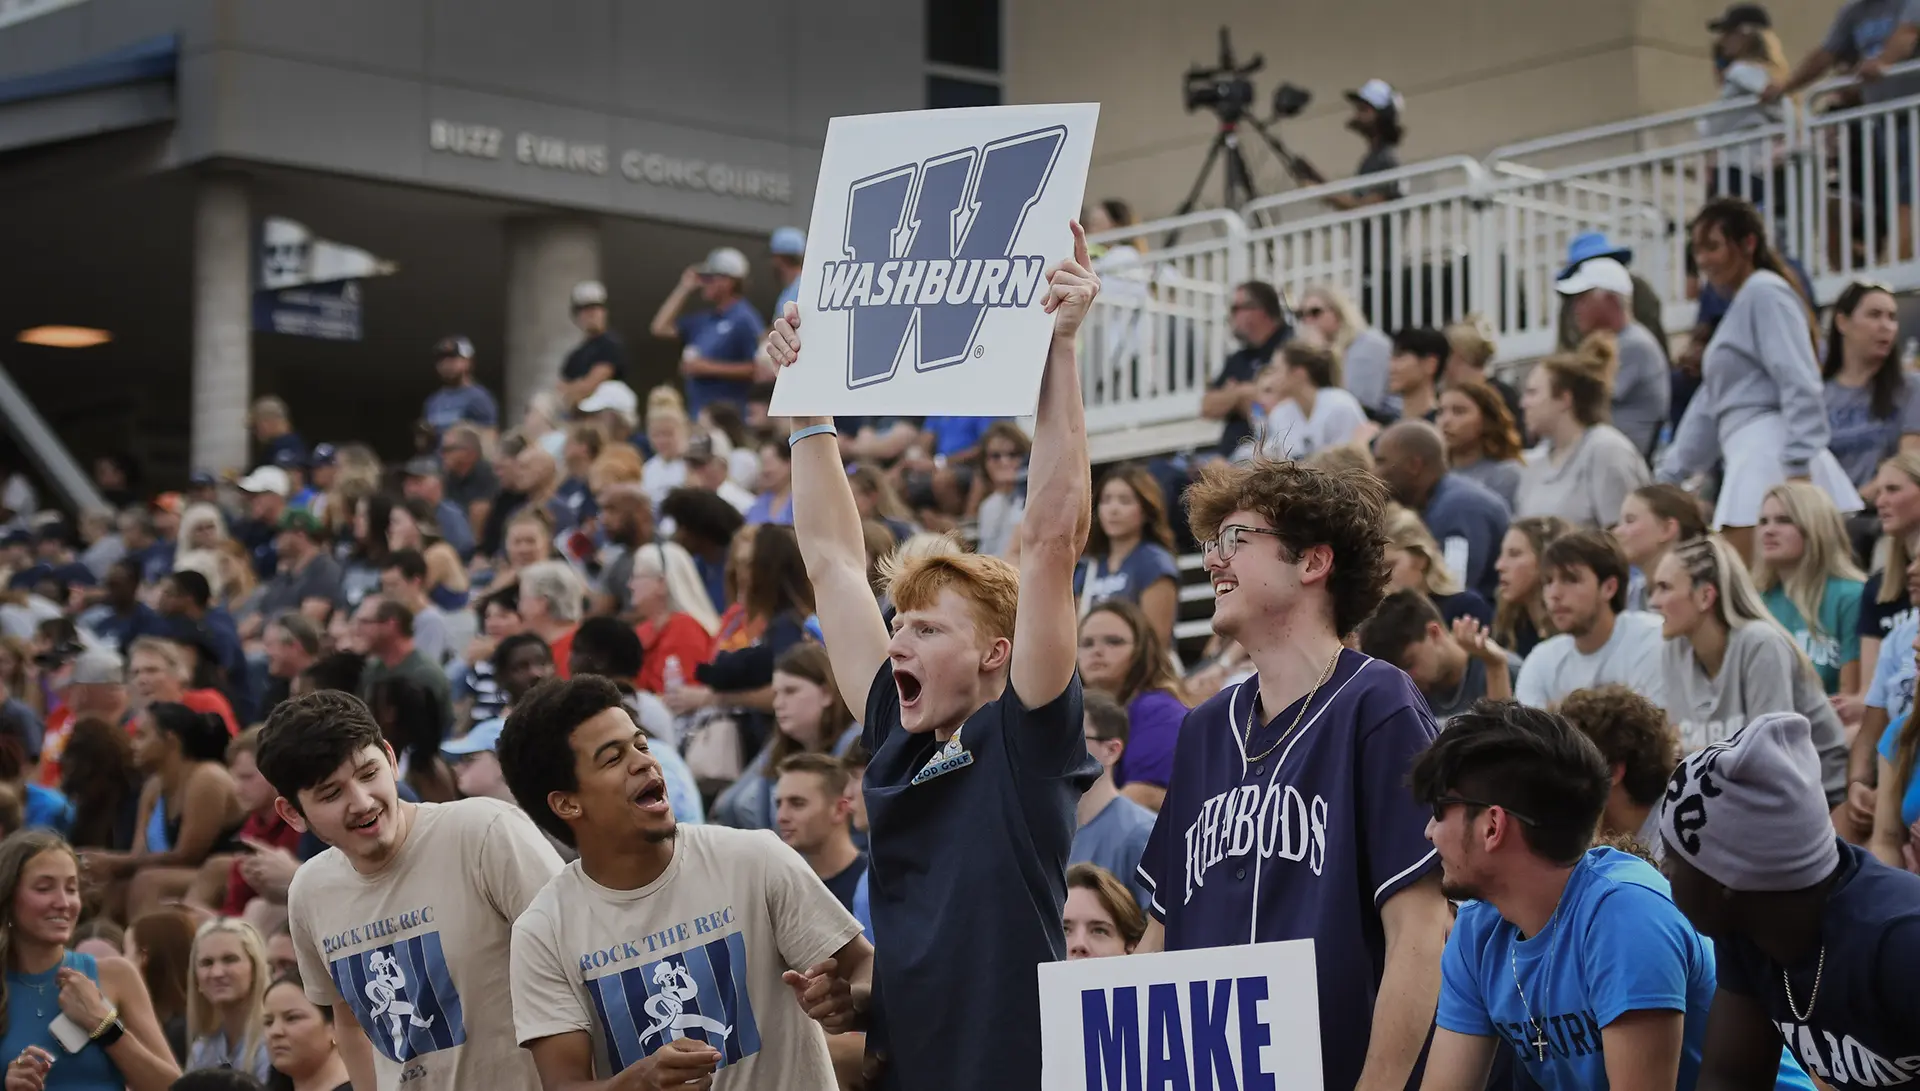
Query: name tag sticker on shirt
(1253, 1009)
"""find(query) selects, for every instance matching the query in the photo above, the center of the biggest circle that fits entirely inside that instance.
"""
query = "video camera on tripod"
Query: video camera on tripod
(1227, 90)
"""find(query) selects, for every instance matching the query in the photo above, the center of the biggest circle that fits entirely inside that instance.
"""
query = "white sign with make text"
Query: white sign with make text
(926, 260)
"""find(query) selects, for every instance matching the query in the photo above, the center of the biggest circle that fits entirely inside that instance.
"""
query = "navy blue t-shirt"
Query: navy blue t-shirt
(1462, 509)
(1147, 565)
(1306, 843)
(727, 336)
(968, 883)
(1864, 1029)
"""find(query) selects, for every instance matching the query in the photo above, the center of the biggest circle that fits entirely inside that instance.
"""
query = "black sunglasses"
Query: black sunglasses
(1443, 803)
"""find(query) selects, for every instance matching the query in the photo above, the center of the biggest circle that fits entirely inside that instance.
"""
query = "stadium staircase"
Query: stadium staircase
(1487, 236)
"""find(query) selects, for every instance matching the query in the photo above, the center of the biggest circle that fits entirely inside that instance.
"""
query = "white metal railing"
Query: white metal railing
(1490, 236)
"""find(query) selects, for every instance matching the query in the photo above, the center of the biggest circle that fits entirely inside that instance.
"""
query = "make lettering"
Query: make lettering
(380, 930)
(652, 942)
(1132, 1046)
(1279, 822)
(1845, 1062)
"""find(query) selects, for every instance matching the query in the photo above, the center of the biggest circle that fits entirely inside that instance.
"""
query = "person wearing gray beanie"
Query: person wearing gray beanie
(1815, 940)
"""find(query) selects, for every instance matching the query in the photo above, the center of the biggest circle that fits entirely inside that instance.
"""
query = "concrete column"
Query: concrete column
(546, 257)
(222, 323)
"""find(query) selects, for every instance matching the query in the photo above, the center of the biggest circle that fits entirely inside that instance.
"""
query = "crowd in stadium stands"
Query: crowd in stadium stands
(647, 737)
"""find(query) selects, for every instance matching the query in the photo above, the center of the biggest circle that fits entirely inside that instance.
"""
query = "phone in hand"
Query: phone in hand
(71, 1035)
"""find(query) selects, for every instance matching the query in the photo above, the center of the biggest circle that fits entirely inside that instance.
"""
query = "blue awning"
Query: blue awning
(141, 62)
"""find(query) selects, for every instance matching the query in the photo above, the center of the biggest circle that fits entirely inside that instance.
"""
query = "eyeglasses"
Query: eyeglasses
(1227, 542)
(1444, 803)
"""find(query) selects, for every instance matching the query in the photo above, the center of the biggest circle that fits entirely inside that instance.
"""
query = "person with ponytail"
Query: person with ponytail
(1727, 660)
(44, 978)
(1807, 578)
(1759, 408)
(189, 810)
(1585, 467)
(1653, 518)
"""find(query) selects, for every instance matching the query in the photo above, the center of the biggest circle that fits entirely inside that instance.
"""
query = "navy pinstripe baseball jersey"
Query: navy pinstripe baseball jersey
(1307, 842)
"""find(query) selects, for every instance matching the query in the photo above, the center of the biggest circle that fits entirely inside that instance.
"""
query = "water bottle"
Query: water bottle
(674, 679)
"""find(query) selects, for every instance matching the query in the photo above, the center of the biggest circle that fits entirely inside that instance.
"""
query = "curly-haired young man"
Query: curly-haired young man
(1640, 749)
(1289, 815)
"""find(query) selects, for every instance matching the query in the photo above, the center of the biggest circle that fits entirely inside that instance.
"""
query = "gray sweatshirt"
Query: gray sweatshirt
(1760, 674)
(1642, 387)
(1587, 488)
(1364, 370)
(1760, 361)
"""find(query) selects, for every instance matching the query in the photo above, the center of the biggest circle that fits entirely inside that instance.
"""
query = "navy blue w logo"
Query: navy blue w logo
(930, 248)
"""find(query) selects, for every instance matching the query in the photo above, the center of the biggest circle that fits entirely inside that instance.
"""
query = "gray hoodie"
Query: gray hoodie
(1761, 673)
(1760, 361)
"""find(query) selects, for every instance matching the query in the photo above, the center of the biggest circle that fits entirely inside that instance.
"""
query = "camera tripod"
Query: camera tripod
(1237, 183)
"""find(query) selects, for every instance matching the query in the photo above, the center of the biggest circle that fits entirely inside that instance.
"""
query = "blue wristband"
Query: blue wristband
(811, 430)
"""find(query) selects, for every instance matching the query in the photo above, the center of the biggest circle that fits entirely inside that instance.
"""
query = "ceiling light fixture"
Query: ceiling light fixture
(64, 337)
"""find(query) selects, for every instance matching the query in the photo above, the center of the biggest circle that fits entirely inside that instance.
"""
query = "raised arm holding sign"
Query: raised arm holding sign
(978, 755)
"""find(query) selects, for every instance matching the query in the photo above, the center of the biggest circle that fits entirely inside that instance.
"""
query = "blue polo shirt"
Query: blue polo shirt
(1462, 510)
(968, 883)
(728, 336)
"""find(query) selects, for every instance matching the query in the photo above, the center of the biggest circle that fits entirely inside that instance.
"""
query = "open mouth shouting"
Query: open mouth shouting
(909, 685)
(652, 797)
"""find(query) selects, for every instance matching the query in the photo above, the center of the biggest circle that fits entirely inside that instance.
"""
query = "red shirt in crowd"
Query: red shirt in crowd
(211, 700)
(681, 636)
(265, 826)
(562, 649)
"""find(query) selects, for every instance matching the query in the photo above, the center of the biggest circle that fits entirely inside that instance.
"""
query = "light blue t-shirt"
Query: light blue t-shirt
(1910, 803)
(1616, 944)
(1115, 839)
(1892, 686)
(1837, 639)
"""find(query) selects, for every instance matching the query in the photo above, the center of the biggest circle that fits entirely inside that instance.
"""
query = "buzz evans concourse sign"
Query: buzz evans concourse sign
(636, 165)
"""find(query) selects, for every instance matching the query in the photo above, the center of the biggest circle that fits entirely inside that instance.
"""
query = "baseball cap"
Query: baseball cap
(99, 667)
(1380, 95)
(1589, 245)
(1741, 15)
(271, 479)
(324, 454)
(788, 242)
(300, 519)
(289, 459)
(422, 466)
(699, 451)
(589, 293)
(725, 262)
(1601, 273)
(611, 394)
(203, 479)
(484, 736)
(17, 536)
(453, 346)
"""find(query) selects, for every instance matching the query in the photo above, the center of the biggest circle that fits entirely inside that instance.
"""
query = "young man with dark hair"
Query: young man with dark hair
(660, 953)
(1408, 632)
(386, 627)
(1113, 829)
(1322, 736)
(1574, 956)
(404, 925)
(1640, 748)
(1468, 519)
(1583, 577)
(978, 755)
(1314, 412)
(1818, 942)
(813, 812)
(403, 579)
(610, 649)
(192, 620)
(1413, 372)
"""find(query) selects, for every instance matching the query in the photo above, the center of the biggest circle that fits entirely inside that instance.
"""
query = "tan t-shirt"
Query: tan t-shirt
(420, 949)
(698, 953)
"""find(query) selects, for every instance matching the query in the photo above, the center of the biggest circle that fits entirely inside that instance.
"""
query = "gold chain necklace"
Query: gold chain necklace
(1298, 716)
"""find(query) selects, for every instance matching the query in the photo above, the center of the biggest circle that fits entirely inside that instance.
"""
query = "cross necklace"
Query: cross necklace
(1539, 1041)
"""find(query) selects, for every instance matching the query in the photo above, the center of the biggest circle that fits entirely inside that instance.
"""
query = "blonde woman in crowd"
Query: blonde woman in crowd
(1585, 467)
(1326, 316)
(668, 431)
(1419, 565)
(1520, 618)
(1884, 601)
(201, 527)
(1482, 441)
(226, 1004)
(1807, 578)
(1728, 660)
(356, 476)
(1653, 519)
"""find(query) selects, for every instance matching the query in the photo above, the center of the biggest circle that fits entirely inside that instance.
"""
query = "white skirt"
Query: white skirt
(1752, 459)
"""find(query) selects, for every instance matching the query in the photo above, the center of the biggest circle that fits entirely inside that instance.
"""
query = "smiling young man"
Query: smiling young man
(403, 926)
(659, 954)
(1583, 577)
(1289, 816)
(1574, 956)
(978, 754)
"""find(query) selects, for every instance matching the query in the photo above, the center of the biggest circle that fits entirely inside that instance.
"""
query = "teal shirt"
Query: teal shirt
(1837, 640)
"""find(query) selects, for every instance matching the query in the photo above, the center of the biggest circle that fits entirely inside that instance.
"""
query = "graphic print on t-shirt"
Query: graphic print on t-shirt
(698, 993)
(401, 993)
